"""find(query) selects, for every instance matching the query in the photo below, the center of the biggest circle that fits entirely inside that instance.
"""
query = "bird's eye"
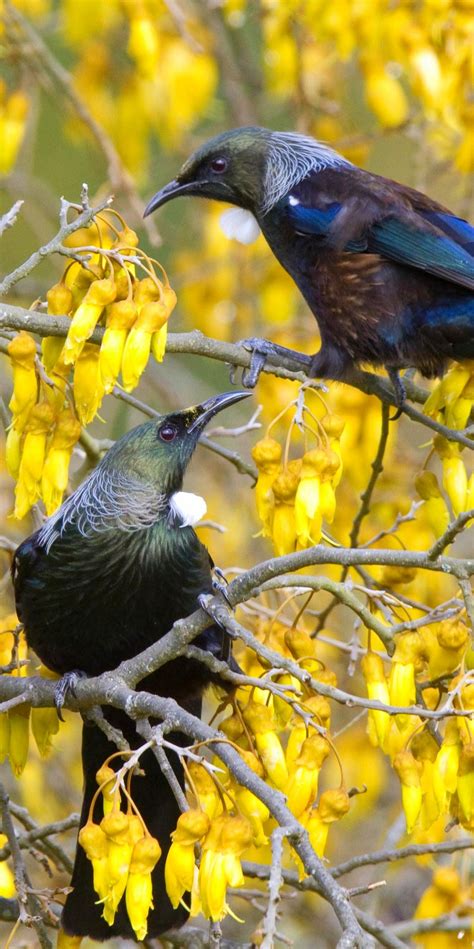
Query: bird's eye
(167, 432)
(218, 165)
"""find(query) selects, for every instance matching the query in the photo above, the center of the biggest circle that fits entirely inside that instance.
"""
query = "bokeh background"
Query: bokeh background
(117, 93)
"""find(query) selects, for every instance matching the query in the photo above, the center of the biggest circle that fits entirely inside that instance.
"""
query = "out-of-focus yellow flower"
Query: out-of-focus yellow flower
(425, 749)
(434, 508)
(408, 770)
(19, 719)
(465, 784)
(402, 687)
(37, 428)
(250, 805)
(446, 643)
(220, 865)
(44, 721)
(139, 893)
(22, 352)
(446, 766)
(7, 880)
(454, 473)
(377, 688)
(13, 115)
(260, 720)
(333, 805)
(88, 385)
(441, 897)
(192, 826)
(385, 96)
(266, 454)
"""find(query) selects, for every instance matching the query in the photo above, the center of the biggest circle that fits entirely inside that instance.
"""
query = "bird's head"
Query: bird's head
(157, 453)
(229, 167)
(250, 167)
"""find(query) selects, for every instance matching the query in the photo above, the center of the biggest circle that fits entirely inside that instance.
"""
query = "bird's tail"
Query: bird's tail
(82, 915)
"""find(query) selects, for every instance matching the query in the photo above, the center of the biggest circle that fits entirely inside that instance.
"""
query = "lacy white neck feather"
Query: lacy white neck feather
(107, 500)
(290, 158)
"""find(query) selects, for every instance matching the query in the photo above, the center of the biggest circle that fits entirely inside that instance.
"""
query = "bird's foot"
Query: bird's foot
(220, 584)
(400, 393)
(65, 687)
(263, 349)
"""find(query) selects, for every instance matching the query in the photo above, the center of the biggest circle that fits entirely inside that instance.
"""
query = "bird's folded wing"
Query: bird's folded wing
(436, 242)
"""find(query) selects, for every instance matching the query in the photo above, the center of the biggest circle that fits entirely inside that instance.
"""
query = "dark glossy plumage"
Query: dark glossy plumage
(106, 577)
(387, 272)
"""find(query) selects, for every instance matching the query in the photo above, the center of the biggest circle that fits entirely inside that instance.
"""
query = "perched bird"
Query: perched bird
(105, 577)
(387, 272)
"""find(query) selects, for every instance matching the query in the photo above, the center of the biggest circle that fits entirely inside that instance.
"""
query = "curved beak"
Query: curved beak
(172, 190)
(212, 406)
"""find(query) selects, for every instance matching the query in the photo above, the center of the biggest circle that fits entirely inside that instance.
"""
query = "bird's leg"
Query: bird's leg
(263, 349)
(66, 686)
(400, 392)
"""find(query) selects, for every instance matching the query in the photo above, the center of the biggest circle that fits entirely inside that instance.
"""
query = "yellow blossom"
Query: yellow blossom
(259, 718)
(97, 296)
(408, 770)
(56, 466)
(88, 385)
(192, 826)
(121, 316)
(220, 865)
(138, 894)
(377, 688)
(7, 880)
(266, 454)
(22, 352)
(27, 490)
(284, 490)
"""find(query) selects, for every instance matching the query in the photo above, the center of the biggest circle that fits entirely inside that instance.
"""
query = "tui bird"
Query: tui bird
(387, 272)
(106, 576)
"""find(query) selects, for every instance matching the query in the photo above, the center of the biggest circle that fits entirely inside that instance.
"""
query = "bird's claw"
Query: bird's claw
(259, 349)
(400, 393)
(220, 585)
(66, 686)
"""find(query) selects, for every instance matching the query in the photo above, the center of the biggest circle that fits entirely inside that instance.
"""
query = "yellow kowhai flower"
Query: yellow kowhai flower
(7, 880)
(192, 826)
(385, 96)
(454, 474)
(37, 428)
(441, 897)
(122, 832)
(151, 318)
(334, 426)
(88, 385)
(249, 804)
(120, 317)
(13, 452)
(446, 643)
(60, 303)
(94, 842)
(159, 337)
(260, 720)
(203, 785)
(299, 732)
(434, 508)
(220, 865)
(465, 785)
(446, 766)
(377, 688)
(139, 890)
(44, 721)
(402, 688)
(97, 296)
(302, 786)
(409, 771)
(19, 722)
(56, 466)
(266, 454)
(106, 779)
(13, 114)
(284, 490)
(333, 806)
(425, 750)
(308, 495)
(22, 352)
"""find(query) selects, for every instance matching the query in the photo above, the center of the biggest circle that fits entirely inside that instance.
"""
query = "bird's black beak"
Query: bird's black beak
(172, 190)
(212, 406)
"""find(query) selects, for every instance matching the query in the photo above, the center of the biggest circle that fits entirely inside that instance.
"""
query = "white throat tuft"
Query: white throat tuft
(188, 508)
(240, 225)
